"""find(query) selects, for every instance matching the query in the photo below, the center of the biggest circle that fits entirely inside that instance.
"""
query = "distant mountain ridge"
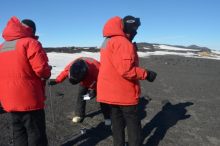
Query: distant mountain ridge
(149, 46)
(142, 47)
(194, 47)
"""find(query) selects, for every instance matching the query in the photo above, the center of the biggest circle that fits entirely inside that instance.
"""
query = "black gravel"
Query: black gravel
(181, 108)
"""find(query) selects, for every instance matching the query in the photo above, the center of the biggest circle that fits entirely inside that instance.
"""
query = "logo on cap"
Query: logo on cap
(130, 21)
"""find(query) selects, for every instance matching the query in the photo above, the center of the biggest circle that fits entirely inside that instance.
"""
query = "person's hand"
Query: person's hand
(151, 75)
(52, 82)
(92, 93)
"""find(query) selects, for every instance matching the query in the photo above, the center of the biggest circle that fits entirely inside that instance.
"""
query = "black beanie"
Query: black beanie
(129, 23)
(29, 23)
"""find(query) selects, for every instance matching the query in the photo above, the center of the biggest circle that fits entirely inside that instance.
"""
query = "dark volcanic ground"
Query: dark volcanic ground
(181, 108)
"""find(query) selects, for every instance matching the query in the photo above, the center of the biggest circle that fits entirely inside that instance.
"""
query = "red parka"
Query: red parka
(90, 80)
(23, 64)
(119, 71)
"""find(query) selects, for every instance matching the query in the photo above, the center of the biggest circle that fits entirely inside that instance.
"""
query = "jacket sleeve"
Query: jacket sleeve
(38, 59)
(64, 74)
(95, 72)
(125, 61)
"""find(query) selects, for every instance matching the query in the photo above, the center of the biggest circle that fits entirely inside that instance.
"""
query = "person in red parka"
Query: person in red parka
(119, 75)
(83, 70)
(24, 64)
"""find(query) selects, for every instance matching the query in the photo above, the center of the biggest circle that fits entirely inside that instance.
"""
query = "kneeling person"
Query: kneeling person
(84, 72)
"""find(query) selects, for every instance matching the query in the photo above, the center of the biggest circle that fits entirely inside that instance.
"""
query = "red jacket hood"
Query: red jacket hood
(113, 27)
(15, 30)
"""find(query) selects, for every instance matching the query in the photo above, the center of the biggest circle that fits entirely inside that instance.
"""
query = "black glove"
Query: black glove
(135, 45)
(52, 82)
(92, 93)
(151, 75)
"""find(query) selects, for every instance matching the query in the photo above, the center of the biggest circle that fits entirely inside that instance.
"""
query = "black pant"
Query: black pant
(29, 128)
(81, 104)
(129, 114)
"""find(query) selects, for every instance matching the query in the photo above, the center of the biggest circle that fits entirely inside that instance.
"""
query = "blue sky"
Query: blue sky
(80, 22)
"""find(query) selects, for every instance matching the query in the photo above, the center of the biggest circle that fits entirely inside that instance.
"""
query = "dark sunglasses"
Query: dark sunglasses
(137, 22)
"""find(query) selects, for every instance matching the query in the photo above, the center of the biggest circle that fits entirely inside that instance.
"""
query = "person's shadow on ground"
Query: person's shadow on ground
(92, 137)
(166, 118)
(143, 101)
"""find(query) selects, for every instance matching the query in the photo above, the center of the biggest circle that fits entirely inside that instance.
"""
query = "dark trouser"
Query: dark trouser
(129, 114)
(29, 128)
(81, 104)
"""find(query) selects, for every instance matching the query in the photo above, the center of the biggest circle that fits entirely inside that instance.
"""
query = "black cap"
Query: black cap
(78, 71)
(129, 23)
(29, 23)
(131, 20)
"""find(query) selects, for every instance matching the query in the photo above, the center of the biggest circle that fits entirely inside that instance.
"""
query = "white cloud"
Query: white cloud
(39, 34)
(96, 41)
